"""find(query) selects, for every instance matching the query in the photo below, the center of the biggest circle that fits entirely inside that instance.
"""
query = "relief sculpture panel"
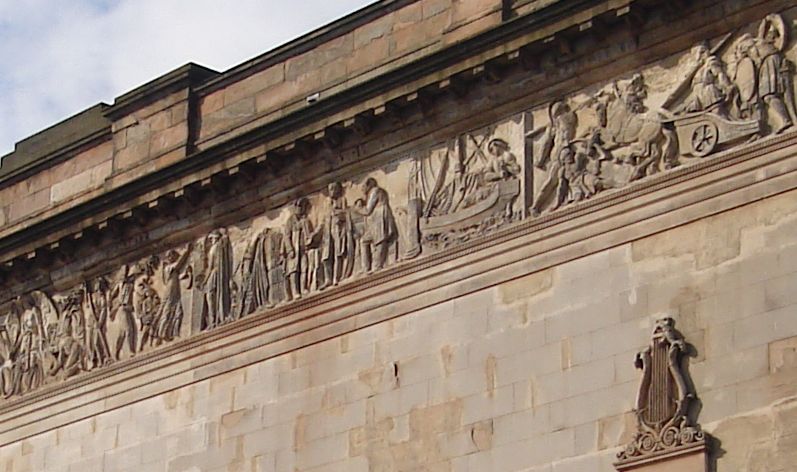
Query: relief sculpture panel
(106, 319)
(722, 93)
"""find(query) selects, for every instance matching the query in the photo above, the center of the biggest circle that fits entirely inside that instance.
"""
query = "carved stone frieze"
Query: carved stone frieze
(720, 94)
(738, 89)
(106, 319)
(664, 399)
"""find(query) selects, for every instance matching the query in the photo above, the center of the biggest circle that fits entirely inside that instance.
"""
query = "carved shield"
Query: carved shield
(746, 79)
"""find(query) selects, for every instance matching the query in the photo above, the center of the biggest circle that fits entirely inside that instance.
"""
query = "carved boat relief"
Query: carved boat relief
(720, 94)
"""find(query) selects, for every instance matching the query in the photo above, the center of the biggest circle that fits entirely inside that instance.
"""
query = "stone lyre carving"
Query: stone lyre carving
(664, 399)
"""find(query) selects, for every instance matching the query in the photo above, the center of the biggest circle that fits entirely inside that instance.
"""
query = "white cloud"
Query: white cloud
(60, 57)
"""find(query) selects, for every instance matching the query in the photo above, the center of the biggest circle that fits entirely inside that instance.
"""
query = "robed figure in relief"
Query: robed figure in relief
(256, 266)
(217, 280)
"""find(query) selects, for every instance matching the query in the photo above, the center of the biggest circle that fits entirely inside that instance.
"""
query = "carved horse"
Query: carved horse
(626, 123)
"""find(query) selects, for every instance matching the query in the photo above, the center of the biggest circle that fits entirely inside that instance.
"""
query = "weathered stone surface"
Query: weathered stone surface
(336, 302)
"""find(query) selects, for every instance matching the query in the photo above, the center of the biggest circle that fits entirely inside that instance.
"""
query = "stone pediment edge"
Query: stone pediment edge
(731, 179)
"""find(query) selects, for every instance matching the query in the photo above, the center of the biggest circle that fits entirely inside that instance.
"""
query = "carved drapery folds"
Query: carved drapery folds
(720, 93)
(664, 399)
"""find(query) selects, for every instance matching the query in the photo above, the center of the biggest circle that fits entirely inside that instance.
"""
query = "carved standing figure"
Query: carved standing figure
(380, 226)
(170, 315)
(774, 84)
(30, 358)
(558, 135)
(122, 329)
(255, 267)
(99, 352)
(147, 305)
(217, 307)
(338, 246)
(745, 78)
(297, 234)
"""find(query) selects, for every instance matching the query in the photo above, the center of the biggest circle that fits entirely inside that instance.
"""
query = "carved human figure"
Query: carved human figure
(10, 341)
(380, 226)
(631, 126)
(338, 244)
(297, 240)
(255, 268)
(147, 305)
(30, 357)
(745, 77)
(711, 87)
(169, 318)
(773, 73)
(502, 164)
(554, 190)
(558, 133)
(68, 353)
(217, 308)
(122, 329)
(8, 355)
(96, 315)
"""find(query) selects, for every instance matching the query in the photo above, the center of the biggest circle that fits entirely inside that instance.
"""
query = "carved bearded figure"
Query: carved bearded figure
(380, 226)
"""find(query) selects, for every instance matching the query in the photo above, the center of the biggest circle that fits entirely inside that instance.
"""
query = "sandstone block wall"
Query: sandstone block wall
(55, 188)
(532, 375)
(389, 42)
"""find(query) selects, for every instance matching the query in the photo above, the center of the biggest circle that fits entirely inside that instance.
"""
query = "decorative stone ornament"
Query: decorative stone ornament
(665, 431)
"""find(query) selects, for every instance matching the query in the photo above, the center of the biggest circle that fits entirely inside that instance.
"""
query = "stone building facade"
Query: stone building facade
(434, 235)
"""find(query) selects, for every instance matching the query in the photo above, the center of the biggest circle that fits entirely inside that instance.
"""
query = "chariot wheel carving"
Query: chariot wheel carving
(704, 139)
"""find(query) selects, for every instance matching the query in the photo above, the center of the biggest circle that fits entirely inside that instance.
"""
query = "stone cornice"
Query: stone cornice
(728, 180)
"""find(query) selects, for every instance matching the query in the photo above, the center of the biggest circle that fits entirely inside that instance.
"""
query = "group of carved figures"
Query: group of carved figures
(306, 256)
(463, 188)
(716, 104)
(95, 324)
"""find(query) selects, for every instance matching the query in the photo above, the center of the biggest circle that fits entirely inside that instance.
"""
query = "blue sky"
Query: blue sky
(58, 57)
